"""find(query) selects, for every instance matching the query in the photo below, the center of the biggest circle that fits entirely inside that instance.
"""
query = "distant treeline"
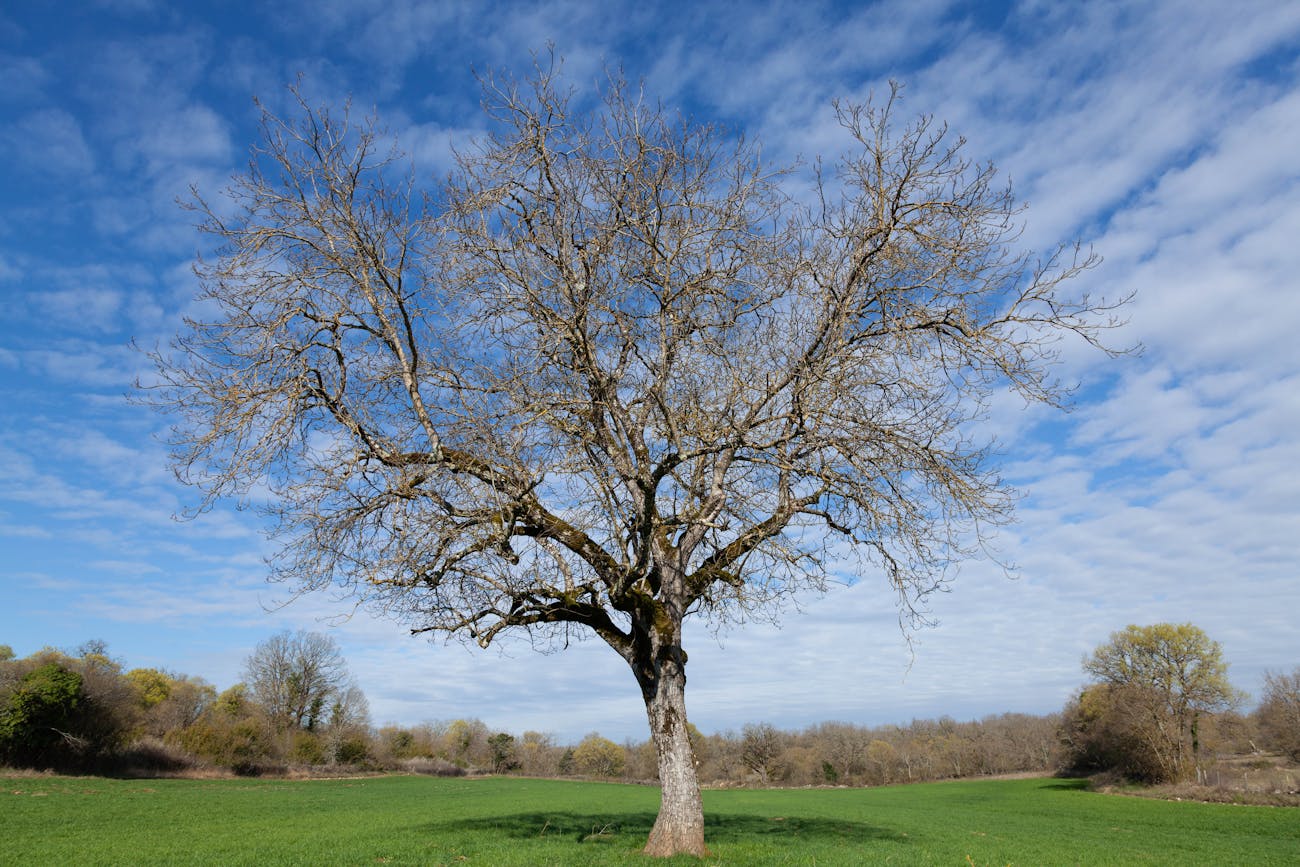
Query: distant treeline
(298, 709)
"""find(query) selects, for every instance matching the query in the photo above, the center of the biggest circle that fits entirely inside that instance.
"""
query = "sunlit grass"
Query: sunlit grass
(421, 820)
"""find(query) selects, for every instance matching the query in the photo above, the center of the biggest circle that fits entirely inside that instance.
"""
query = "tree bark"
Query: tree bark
(679, 828)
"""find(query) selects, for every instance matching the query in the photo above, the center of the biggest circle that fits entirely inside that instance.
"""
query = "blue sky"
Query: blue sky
(1162, 133)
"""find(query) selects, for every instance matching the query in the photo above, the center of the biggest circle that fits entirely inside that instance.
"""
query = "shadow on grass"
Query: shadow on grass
(591, 827)
(1066, 785)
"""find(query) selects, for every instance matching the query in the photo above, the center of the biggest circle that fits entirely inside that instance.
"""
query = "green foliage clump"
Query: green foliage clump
(599, 757)
(307, 749)
(352, 750)
(151, 685)
(502, 745)
(40, 723)
(1144, 717)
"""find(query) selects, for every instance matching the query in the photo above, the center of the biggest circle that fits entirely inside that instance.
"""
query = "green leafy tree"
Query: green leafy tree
(502, 747)
(599, 757)
(151, 685)
(40, 724)
(1158, 682)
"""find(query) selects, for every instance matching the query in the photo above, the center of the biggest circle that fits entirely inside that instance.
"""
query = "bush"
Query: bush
(352, 750)
(1120, 730)
(307, 749)
(41, 724)
(228, 741)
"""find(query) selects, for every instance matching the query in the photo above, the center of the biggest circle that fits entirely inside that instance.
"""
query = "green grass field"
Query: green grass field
(423, 820)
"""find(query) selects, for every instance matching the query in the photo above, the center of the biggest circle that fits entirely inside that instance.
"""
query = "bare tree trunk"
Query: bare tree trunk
(679, 828)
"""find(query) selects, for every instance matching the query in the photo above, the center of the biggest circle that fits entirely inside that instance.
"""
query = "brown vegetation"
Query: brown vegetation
(146, 722)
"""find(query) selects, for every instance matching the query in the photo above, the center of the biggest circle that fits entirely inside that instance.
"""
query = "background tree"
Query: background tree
(1278, 714)
(187, 699)
(235, 732)
(65, 711)
(845, 747)
(538, 754)
(296, 676)
(151, 685)
(1155, 684)
(347, 730)
(612, 374)
(761, 750)
(41, 721)
(596, 756)
(465, 742)
(882, 756)
(502, 746)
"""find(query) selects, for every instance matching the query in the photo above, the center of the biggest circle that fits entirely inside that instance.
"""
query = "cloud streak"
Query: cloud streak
(1161, 133)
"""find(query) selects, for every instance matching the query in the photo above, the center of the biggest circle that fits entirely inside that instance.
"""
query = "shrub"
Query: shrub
(352, 750)
(41, 723)
(307, 749)
(228, 741)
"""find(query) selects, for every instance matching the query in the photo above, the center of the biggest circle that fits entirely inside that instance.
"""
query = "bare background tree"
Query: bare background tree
(1279, 713)
(610, 374)
(761, 747)
(299, 678)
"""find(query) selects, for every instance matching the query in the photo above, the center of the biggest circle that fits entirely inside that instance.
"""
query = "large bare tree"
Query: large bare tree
(615, 371)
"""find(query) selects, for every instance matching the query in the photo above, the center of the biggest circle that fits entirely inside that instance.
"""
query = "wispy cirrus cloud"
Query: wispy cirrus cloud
(1161, 132)
(49, 141)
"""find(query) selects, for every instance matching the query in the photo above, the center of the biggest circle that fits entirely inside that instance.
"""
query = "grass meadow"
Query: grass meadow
(505, 820)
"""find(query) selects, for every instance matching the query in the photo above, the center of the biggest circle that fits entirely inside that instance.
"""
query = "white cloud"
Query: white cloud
(84, 365)
(194, 134)
(1164, 132)
(50, 141)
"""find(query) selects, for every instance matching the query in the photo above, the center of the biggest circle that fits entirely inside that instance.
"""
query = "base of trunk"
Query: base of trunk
(669, 838)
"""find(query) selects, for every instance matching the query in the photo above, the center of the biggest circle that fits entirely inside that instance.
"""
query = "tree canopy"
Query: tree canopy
(1177, 660)
(298, 677)
(614, 371)
(1154, 685)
